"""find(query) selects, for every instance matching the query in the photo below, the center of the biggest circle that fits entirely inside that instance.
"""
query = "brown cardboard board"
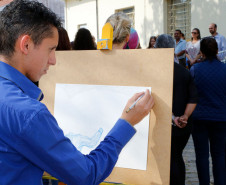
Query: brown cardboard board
(151, 68)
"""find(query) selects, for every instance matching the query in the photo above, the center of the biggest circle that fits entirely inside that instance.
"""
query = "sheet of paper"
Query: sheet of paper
(86, 113)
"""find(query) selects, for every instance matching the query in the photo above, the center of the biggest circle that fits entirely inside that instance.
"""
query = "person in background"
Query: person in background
(30, 139)
(152, 42)
(209, 128)
(180, 48)
(184, 102)
(193, 48)
(134, 41)
(121, 29)
(83, 40)
(221, 41)
(64, 42)
(182, 36)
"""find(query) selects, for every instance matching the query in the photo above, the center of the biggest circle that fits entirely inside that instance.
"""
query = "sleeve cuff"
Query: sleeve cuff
(122, 131)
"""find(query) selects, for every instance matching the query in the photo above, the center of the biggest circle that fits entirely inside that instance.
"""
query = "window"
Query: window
(82, 26)
(130, 12)
(179, 17)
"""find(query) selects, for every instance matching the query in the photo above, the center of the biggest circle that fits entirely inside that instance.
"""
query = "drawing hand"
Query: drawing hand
(141, 109)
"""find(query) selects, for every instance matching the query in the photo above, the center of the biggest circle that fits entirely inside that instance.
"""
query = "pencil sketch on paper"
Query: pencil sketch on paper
(86, 113)
(81, 141)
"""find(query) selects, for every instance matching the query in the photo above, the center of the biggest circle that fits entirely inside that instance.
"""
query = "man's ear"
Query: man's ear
(25, 43)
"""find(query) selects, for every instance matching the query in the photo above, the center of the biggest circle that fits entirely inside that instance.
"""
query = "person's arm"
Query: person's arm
(180, 53)
(43, 143)
(183, 48)
(181, 121)
(188, 57)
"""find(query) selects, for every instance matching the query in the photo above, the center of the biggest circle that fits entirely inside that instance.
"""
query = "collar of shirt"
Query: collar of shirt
(27, 86)
(181, 40)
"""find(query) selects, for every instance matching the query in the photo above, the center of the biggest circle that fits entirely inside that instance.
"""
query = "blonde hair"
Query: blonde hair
(121, 26)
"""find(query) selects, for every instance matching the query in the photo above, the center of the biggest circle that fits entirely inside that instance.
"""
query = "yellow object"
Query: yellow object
(107, 37)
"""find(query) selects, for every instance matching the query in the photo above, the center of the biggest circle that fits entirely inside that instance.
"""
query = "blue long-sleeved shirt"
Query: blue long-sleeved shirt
(31, 141)
(221, 42)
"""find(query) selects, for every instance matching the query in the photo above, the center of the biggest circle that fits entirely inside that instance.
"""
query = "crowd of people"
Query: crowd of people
(199, 100)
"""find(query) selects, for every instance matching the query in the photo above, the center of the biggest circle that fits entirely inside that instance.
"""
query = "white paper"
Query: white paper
(86, 113)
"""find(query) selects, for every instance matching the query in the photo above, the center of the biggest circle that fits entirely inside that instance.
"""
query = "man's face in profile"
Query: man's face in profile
(212, 29)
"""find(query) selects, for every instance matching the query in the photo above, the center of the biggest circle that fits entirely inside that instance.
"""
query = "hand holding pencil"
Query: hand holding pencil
(138, 107)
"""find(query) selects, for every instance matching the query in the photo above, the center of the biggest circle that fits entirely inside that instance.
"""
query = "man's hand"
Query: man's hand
(140, 110)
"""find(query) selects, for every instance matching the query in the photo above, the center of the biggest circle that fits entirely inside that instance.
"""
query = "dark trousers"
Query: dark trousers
(177, 166)
(182, 62)
(213, 133)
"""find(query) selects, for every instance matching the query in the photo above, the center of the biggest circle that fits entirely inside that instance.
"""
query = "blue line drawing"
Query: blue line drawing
(81, 141)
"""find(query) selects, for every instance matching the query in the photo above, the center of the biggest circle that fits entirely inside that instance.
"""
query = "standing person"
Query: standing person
(152, 42)
(193, 47)
(134, 41)
(121, 29)
(210, 113)
(184, 102)
(83, 40)
(64, 42)
(182, 36)
(221, 41)
(180, 48)
(30, 139)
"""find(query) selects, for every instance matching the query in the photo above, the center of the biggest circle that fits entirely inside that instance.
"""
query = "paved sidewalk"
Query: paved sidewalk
(189, 159)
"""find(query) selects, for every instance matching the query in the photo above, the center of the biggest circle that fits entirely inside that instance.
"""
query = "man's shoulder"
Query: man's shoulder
(220, 36)
(14, 99)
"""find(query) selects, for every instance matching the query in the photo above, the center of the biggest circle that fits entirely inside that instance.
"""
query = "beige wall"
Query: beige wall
(204, 12)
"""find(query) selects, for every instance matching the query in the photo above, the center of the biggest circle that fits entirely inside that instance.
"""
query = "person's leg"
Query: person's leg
(217, 148)
(177, 167)
(201, 143)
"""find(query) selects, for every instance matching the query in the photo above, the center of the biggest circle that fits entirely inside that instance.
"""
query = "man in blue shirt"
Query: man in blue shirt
(221, 41)
(31, 141)
(180, 47)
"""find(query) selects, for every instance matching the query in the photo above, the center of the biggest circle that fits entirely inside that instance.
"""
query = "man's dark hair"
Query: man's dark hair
(215, 25)
(83, 40)
(178, 30)
(208, 46)
(25, 17)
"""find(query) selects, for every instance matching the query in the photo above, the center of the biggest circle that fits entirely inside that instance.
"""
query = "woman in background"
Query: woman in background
(193, 47)
(83, 40)
(152, 42)
(64, 42)
(209, 126)
(121, 29)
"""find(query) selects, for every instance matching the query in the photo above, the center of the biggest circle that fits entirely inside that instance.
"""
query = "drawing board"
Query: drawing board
(123, 68)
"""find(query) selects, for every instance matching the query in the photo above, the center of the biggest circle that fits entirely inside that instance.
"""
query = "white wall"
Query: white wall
(148, 16)
(204, 12)
(154, 20)
(80, 12)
